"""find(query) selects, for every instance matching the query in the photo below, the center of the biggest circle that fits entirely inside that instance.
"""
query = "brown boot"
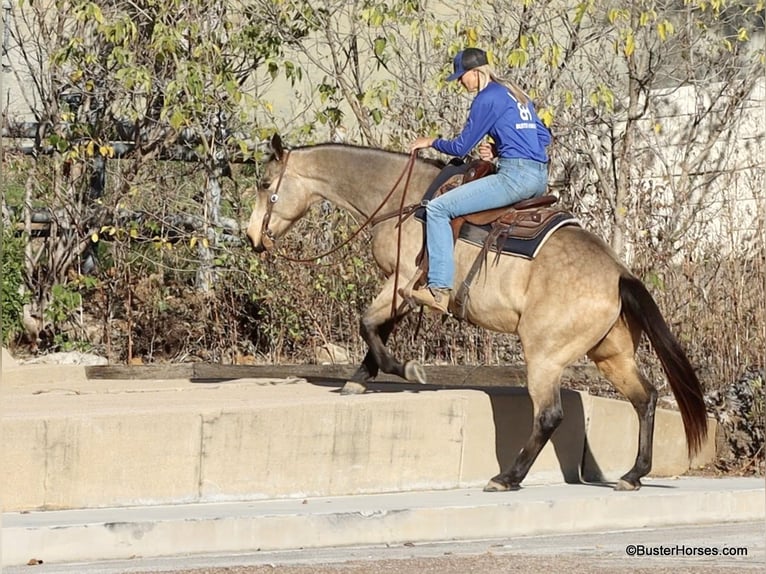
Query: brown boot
(436, 298)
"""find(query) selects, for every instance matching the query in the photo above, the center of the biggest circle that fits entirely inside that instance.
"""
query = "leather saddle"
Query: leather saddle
(519, 229)
(523, 218)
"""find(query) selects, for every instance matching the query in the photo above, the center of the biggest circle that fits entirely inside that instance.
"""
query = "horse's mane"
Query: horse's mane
(367, 149)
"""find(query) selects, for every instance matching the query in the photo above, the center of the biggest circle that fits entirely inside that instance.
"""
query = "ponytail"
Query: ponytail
(487, 75)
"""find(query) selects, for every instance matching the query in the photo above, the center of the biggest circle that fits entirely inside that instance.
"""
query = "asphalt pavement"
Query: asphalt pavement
(707, 549)
(396, 519)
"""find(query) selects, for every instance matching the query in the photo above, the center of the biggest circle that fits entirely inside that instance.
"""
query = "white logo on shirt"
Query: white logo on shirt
(524, 112)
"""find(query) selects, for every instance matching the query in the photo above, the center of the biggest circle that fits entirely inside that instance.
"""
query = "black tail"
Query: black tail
(638, 304)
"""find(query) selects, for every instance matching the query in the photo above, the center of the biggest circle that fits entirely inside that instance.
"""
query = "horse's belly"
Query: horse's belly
(496, 293)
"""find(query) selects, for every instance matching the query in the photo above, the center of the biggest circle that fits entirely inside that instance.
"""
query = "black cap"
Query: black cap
(468, 59)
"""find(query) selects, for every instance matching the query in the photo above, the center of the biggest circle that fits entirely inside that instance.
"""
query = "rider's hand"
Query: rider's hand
(421, 143)
(486, 151)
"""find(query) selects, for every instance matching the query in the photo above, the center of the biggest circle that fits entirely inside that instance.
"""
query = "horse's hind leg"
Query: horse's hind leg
(615, 358)
(545, 391)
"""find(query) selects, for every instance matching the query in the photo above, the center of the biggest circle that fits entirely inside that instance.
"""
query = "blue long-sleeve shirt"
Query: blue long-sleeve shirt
(515, 127)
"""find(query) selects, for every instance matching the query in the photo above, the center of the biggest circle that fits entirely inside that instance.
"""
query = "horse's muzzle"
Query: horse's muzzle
(258, 247)
(265, 244)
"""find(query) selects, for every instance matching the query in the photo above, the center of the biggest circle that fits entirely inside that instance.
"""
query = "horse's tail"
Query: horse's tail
(639, 305)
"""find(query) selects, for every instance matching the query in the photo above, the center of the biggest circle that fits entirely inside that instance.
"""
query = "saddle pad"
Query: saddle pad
(520, 246)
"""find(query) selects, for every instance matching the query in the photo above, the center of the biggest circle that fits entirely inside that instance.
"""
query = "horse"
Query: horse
(573, 299)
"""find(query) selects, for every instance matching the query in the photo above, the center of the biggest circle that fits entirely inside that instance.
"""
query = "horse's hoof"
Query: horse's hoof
(414, 371)
(626, 485)
(353, 388)
(495, 486)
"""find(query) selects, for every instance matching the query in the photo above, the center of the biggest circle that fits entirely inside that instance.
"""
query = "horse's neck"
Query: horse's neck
(360, 179)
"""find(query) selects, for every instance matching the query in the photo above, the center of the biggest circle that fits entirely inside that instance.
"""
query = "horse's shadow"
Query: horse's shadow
(513, 417)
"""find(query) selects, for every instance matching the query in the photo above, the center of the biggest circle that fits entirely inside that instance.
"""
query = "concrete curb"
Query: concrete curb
(462, 514)
(101, 444)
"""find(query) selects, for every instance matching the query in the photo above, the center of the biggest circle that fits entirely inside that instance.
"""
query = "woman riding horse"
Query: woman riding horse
(505, 113)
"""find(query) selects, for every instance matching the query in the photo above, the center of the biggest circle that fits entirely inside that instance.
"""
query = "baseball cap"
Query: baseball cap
(468, 59)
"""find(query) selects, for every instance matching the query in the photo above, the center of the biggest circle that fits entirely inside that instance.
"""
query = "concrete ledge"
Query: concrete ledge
(78, 443)
(121, 533)
(52, 376)
(612, 441)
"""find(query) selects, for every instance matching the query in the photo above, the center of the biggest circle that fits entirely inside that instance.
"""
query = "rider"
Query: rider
(504, 112)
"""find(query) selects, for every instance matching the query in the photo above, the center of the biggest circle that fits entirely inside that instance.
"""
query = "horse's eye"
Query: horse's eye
(265, 184)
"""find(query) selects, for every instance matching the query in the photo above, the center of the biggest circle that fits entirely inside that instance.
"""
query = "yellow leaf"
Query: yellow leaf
(91, 148)
(742, 35)
(205, 242)
(134, 233)
(103, 150)
(665, 29)
(192, 242)
(97, 14)
(630, 45)
(94, 237)
(658, 128)
(546, 115)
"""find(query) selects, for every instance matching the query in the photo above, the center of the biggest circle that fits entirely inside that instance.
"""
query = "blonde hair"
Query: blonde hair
(487, 75)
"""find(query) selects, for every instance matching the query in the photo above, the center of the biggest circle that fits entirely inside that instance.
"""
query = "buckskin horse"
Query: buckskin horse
(574, 298)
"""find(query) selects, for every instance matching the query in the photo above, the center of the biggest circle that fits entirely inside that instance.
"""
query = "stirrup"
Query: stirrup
(407, 290)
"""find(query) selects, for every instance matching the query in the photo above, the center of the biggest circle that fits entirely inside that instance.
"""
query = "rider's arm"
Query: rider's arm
(480, 119)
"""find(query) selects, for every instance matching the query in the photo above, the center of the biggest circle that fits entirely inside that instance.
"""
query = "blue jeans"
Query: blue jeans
(516, 179)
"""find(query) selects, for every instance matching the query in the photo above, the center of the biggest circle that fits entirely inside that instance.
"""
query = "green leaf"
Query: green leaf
(379, 47)
(177, 119)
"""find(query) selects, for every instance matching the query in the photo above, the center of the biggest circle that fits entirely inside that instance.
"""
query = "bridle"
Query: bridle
(268, 239)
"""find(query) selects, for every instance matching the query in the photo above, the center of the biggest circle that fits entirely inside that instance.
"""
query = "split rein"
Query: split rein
(268, 239)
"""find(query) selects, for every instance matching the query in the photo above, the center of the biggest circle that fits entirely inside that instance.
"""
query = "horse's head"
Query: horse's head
(281, 199)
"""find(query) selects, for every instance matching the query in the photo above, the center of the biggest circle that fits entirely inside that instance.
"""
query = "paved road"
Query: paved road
(573, 554)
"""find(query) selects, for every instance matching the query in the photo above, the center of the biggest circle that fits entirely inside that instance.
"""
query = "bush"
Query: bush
(12, 285)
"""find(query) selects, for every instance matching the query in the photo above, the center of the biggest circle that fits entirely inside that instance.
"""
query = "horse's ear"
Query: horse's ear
(276, 147)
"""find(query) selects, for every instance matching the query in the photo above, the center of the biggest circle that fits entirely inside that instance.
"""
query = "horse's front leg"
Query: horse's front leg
(370, 366)
(375, 327)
